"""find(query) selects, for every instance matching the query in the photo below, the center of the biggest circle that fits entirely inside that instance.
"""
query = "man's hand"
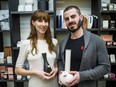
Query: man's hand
(59, 78)
(75, 80)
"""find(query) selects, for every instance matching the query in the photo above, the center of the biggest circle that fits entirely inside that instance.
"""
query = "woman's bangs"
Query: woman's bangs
(42, 16)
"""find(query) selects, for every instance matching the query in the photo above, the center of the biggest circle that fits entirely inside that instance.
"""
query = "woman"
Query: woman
(39, 41)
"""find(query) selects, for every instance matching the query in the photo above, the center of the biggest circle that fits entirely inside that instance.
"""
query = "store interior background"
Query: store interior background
(85, 6)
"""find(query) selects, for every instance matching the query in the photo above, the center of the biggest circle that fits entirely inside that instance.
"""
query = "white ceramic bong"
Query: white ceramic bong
(65, 76)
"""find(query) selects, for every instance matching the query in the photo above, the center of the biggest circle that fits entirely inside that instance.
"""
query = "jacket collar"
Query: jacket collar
(86, 39)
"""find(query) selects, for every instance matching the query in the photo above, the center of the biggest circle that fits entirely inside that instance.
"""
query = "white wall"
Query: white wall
(84, 5)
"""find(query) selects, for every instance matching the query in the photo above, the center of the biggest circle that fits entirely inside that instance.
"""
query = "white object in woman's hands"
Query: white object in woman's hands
(65, 77)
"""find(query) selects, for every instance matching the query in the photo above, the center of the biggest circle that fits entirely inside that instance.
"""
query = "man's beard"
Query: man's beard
(79, 25)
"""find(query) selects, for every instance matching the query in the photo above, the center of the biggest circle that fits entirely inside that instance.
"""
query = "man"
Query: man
(89, 57)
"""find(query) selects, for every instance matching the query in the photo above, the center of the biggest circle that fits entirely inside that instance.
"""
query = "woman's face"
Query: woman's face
(41, 26)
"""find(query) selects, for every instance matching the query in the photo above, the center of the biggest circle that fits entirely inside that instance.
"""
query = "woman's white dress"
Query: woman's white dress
(36, 62)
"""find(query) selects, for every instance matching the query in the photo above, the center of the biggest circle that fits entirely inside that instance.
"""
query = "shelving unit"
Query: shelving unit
(20, 26)
(88, 7)
(95, 9)
(16, 27)
(109, 15)
(2, 31)
(5, 41)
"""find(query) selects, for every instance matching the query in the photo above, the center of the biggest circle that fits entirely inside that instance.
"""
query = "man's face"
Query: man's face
(72, 19)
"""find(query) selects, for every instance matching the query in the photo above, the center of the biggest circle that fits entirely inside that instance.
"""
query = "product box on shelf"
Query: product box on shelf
(4, 20)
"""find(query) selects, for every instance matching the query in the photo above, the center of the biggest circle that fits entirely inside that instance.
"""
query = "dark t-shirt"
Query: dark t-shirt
(76, 46)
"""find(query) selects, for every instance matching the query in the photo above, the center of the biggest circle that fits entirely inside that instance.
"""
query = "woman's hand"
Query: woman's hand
(45, 75)
(42, 74)
(53, 73)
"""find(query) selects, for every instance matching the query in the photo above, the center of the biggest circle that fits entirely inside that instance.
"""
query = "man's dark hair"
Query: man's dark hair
(71, 7)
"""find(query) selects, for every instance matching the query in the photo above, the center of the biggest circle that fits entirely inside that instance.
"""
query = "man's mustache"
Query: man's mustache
(71, 23)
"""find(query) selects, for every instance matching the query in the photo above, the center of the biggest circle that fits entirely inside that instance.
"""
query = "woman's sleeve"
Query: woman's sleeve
(22, 55)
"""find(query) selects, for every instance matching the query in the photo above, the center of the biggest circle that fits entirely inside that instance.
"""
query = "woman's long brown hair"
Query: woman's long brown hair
(40, 15)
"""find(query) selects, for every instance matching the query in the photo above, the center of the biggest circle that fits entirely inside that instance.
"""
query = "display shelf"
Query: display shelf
(5, 31)
(2, 80)
(109, 15)
(28, 12)
(108, 29)
(4, 35)
(21, 80)
(102, 15)
(6, 64)
(3, 0)
(109, 47)
(16, 48)
(3, 19)
(66, 30)
(113, 64)
(108, 12)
